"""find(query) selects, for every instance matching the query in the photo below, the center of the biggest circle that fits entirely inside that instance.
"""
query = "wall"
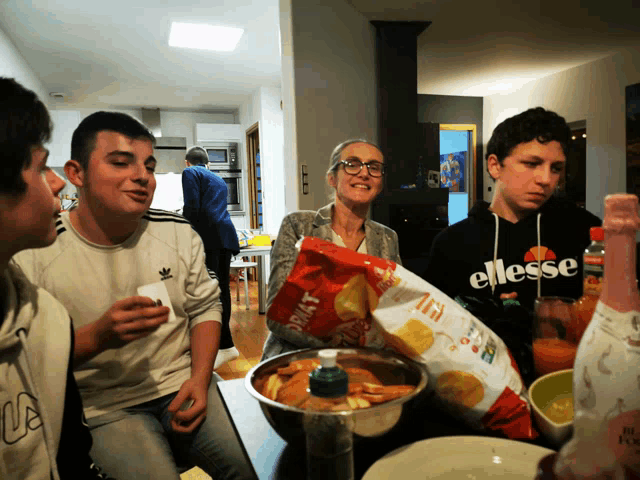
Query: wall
(274, 181)
(264, 107)
(13, 65)
(335, 87)
(593, 92)
(290, 148)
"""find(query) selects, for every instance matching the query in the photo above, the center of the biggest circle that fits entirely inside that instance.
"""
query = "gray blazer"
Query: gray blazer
(381, 241)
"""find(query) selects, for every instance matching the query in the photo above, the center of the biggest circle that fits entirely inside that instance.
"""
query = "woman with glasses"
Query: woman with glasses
(356, 175)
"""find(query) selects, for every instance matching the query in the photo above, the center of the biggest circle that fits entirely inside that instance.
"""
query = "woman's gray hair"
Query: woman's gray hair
(334, 159)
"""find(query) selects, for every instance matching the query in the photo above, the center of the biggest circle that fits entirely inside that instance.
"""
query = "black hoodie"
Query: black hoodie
(462, 257)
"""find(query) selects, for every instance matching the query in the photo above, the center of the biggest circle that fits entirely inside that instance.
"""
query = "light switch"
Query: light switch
(304, 180)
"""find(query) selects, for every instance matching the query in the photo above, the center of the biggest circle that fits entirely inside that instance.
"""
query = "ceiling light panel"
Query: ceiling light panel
(204, 37)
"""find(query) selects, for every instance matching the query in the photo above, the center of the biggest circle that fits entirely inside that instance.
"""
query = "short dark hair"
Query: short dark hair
(83, 140)
(533, 124)
(24, 123)
(197, 156)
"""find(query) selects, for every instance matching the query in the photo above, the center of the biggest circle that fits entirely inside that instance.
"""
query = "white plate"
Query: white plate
(459, 458)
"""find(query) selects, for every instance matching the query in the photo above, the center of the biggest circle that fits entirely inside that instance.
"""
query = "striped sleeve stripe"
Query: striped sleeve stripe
(212, 274)
(154, 215)
(60, 227)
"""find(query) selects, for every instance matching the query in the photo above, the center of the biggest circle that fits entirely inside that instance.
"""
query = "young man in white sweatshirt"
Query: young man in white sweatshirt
(145, 375)
(41, 420)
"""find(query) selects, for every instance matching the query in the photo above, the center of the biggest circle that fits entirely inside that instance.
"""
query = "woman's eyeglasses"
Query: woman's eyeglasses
(354, 167)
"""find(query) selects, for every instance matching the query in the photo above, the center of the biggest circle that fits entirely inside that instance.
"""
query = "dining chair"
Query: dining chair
(237, 264)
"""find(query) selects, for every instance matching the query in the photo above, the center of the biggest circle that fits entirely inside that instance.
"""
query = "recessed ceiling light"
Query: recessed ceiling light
(204, 37)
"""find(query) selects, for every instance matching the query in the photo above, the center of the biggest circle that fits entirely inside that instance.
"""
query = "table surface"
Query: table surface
(273, 459)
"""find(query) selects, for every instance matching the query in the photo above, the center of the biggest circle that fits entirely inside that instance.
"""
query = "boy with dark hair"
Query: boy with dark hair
(527, 242)
(205, 206)
(43, 432)
(145, 372)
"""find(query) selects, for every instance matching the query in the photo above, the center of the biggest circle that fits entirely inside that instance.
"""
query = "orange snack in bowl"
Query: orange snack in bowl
(290, 386)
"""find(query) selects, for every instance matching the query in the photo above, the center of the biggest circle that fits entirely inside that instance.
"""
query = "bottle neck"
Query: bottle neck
(619, 289)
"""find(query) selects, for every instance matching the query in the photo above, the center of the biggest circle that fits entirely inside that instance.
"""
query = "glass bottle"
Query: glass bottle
(606, 378)
(593, 273)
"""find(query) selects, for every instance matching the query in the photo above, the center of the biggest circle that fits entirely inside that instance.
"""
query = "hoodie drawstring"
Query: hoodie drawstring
(495, 255)
(48, 441)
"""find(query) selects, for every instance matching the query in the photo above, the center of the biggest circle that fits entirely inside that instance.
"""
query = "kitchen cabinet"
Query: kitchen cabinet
(64, 124)
(216, 132)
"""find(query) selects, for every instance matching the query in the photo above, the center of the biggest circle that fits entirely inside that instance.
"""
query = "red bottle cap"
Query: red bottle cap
(597, 234)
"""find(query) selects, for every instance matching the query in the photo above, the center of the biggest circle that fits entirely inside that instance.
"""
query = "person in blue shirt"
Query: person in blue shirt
(205, 206)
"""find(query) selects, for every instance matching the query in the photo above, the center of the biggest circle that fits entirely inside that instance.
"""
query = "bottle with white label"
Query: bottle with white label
(606, 375)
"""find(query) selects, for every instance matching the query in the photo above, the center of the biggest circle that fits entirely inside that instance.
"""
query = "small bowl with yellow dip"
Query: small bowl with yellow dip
(551, 398)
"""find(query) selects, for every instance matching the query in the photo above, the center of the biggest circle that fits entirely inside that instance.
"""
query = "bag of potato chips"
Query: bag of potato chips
(344, 299)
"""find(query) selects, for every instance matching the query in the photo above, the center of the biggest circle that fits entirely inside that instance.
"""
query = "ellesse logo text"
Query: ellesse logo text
(517, 273)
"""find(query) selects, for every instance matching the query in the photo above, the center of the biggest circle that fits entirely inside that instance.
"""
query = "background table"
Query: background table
(259, 252)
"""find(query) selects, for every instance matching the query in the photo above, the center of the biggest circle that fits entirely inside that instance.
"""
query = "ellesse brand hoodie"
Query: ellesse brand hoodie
(42, 433)
(485, 255)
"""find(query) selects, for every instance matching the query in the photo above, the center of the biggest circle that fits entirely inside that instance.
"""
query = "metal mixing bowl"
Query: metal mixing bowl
(391, 368)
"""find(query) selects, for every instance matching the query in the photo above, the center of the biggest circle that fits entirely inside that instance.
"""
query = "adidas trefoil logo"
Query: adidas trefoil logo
(165, 273)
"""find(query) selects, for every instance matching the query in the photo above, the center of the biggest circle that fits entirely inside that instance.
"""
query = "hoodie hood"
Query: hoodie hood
(29, 437)
(19, 306)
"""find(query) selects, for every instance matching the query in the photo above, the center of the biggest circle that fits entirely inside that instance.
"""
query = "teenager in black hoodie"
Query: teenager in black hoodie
(494, 252)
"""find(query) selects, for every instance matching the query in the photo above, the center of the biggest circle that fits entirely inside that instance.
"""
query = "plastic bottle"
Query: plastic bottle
(328, 423)
(606, 381)
(593, 273)
(328, 384)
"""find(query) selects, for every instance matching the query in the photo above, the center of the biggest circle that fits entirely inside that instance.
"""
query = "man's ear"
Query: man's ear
(493, 165)
(75, 173)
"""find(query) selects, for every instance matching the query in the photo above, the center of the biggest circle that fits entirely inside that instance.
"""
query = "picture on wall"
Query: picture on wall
(452, 168)
(632, 94)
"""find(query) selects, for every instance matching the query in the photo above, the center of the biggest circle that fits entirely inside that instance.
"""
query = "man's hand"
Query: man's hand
(185, 421)
(127, 320)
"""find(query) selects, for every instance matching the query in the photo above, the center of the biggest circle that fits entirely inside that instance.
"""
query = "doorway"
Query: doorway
(458, 167)
(254, 177)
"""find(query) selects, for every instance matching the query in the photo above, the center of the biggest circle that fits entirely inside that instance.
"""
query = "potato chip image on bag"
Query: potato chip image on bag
(338, 297)
(411, 339)
(355, 300)
(460, 389)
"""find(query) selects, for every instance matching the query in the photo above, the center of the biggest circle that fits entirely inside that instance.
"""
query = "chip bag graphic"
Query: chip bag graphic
(347, 299)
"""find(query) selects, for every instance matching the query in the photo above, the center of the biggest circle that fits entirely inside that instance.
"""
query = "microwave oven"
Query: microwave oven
(233, 179)
(222, 155)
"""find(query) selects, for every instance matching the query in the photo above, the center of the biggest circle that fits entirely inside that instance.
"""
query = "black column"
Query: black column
(397, 52)
(415, 211)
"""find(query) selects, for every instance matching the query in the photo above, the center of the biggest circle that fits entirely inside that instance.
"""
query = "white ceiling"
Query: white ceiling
(473, 47)
(115, 53)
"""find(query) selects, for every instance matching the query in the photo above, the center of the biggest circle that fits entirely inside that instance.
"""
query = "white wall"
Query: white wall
(263, 106)
(274, 181)
(594, 92)
(290, 150)
(13, 65)
(334, 83)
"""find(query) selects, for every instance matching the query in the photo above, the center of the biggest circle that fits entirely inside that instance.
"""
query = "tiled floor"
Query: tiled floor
(249, 332)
